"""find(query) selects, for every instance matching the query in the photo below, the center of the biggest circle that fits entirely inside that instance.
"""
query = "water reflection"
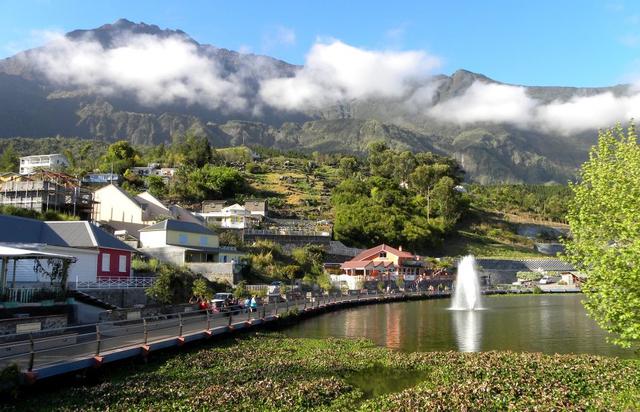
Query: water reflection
(468, 329)
(533, 323)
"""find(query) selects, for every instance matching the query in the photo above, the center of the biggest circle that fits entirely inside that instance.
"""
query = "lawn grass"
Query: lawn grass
(268, 372)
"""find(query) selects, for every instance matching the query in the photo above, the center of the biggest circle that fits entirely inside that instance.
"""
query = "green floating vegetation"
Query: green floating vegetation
(267, 372)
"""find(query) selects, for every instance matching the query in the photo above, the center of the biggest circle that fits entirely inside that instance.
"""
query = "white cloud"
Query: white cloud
(580, 114)
(499, 103)
(156, 70)
(172, 70)
(487, 102)
(336, 71)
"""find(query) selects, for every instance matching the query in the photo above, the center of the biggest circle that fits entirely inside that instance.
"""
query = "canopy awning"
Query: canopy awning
(8, 253)
(17, 253)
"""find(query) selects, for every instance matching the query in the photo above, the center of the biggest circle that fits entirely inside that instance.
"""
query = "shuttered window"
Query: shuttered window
(122, 264)
(106, 262)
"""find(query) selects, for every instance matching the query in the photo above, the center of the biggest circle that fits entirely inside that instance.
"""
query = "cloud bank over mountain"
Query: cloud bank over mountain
(156, 70)
(335, 71)
(173, 69)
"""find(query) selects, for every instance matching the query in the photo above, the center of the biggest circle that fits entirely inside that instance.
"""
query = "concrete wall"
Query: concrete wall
(224, 272)
(146, 312)
(11, 326)
(123, 298)
(171, 254)
(501, 271)
(289, 241)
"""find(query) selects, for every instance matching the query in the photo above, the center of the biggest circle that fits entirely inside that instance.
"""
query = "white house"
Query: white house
(97, 253)
(235, 216)
(30, 164)
(113, 204)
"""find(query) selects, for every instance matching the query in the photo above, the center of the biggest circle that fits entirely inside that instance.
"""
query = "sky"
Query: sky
(564, 43)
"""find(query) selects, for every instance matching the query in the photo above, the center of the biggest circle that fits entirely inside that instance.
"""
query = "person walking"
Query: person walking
(253, 304)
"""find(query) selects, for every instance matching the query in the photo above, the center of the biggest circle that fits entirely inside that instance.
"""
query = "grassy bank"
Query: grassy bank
(269, 372)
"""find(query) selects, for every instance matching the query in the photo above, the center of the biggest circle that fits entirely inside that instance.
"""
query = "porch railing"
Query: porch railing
(114, 283)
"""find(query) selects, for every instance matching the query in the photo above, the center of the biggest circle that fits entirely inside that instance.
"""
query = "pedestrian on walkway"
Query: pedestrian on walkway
(253, 303)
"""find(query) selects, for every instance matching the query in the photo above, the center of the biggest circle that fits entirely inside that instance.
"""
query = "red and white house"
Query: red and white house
(381, 263)
(114, 256)
(98, 255)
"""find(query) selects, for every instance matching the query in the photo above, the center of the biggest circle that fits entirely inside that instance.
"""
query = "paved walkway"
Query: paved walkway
(79, 347)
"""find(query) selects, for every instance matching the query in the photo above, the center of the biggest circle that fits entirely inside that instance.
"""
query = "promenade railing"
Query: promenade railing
(50, 347)
(114, 283)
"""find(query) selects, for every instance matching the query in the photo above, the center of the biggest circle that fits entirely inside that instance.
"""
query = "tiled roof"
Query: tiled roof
(382, 248)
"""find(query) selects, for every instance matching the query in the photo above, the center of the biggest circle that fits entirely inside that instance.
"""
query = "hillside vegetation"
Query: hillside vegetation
(387, 196)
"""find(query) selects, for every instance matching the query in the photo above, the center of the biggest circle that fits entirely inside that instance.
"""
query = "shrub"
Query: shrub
(10, 379)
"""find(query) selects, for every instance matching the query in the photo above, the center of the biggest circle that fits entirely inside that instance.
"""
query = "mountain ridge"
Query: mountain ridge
(33, 105)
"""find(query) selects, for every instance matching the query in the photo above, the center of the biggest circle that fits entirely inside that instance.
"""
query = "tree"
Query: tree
(603, 217)
(194, 151)
(209, 182)
(201, 289)
(241, 290)
(156, 186)
(120, 156)
(348, 167)
(172, 285)
(424, 178)
(9, 160)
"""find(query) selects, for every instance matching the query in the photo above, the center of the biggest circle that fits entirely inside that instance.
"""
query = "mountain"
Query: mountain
(37, 102)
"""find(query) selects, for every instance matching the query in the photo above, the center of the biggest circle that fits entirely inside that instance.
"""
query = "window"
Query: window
(383, 254)
(106, 262)
(122, 264)
(204, 241)
(183, 239)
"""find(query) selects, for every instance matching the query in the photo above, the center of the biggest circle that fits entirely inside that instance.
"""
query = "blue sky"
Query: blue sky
(569, 43)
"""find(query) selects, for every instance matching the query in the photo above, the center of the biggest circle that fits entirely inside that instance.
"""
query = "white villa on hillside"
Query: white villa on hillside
(30, 164)
(235, 216)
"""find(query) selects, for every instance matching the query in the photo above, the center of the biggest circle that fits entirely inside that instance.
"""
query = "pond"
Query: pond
(523, 323)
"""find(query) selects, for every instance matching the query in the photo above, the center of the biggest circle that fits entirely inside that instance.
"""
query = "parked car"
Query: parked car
(223, 296)
(275, 288)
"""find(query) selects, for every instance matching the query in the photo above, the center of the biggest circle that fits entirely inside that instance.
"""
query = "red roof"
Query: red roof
(382, 248)
(365, 257)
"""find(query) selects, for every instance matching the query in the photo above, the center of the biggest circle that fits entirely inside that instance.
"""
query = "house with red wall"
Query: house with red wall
(381, 263)
(114, 256)
(97, 253)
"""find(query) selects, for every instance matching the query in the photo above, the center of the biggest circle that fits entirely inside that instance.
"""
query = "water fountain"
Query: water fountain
(467, 294)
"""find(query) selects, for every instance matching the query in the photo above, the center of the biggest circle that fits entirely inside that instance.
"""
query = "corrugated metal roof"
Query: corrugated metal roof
(179, 226)
(79, 234)
(75, 234)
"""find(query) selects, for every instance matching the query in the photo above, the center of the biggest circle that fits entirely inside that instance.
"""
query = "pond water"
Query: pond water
(527, 323)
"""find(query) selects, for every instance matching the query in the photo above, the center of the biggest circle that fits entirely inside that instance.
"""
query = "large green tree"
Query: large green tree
(120, 156)
(603, 217)
(9, 160)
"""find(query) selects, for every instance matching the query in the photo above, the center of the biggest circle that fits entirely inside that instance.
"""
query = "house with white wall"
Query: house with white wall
(192, 245)
(55, 161)
(235, 216)
(98, 254)
(114, 204)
